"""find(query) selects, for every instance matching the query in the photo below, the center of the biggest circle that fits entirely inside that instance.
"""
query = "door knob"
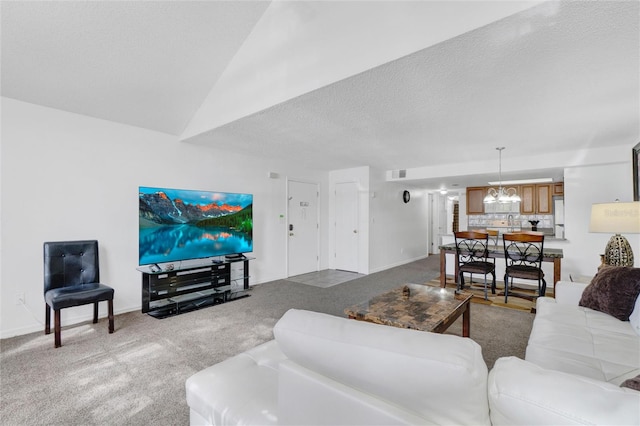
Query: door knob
(355, 231)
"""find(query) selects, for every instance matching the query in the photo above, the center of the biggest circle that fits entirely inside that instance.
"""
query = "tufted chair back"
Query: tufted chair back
(70, 263)
(72, 278)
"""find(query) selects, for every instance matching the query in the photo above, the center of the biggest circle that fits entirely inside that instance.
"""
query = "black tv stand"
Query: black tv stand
(172, 291)
(234, 256)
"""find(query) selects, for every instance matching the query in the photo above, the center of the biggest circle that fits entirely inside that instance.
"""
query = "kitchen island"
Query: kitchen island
(496, 251)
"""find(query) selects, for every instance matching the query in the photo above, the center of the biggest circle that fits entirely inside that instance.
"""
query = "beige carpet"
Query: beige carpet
(136, 375)
(523, 299)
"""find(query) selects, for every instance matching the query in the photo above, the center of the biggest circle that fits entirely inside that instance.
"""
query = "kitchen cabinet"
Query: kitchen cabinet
(543, 199)
(536, 199)
(528, 196)
(558, 189)
(475, 201)
(475, 197)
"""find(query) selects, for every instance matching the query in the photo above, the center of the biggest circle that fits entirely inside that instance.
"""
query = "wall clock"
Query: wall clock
(406, 196)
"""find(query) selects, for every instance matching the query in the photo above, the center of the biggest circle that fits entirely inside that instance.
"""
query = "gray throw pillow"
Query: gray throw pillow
(613, 290)
(633, 383)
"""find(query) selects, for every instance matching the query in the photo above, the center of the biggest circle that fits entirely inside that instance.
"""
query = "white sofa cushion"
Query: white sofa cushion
(311, 398)
(568, 292)
(521, 393)
(440, 378)
(582, 341)
(634, 318)
(241, 390)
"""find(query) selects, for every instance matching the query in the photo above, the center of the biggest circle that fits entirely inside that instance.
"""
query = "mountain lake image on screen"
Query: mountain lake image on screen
(179, 224)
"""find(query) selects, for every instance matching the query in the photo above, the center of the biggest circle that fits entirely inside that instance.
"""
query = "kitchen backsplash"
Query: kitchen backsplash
(500, 220)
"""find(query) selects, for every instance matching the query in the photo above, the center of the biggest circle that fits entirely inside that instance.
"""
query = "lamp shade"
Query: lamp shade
(615, 218)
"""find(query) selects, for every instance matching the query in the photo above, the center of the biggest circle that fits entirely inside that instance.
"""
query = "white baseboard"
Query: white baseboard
(400, 263)
(73, 320)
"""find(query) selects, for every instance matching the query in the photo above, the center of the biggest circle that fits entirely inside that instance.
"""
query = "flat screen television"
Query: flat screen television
(181, 224)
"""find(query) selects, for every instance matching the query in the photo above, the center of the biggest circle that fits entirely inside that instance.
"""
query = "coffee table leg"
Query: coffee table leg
(466, 320)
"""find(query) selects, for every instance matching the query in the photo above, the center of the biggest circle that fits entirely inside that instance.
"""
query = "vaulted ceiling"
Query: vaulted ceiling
(336, 84)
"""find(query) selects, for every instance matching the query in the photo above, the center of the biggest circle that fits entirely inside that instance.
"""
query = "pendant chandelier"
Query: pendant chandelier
(502, 195)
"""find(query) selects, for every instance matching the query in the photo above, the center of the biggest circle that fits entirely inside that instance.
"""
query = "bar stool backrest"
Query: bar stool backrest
(523, 248)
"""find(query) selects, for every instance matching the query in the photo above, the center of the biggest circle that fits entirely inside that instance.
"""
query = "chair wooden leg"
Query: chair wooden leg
(110, 316)
(47, 319)
(57, 328)
(95, 313)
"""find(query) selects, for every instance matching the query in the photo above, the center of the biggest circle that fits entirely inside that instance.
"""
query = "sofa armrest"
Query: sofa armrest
(239, 390)
(522, 393)
(568, 292)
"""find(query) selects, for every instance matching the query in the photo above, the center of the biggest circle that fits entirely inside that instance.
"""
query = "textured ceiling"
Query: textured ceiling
(548, 79)
(147, 64)
(560, 76)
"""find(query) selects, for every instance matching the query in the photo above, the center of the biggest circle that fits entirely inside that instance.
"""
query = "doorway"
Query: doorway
(438, 220)
(303, 229)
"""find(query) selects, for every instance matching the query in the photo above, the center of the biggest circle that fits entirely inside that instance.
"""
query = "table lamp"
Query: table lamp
(616, 218)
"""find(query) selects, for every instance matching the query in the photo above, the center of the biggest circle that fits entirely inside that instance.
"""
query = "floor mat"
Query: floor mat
(326, 278)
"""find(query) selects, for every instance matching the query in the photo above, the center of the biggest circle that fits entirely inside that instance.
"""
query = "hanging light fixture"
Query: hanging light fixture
(502, 195)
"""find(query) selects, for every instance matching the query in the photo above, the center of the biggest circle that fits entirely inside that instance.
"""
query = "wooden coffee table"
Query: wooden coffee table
(425, 308)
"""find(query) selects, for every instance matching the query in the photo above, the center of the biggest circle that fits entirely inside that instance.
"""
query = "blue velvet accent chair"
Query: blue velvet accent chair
(72, 278)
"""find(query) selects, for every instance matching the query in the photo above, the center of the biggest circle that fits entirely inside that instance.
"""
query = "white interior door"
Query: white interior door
(303, 228)
(347, 233)
(438, 212)
(433, 217)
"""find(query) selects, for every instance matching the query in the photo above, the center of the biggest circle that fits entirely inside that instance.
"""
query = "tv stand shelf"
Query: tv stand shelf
(170, 291)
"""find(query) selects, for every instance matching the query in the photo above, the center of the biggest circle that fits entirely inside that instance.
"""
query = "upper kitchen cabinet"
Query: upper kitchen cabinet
(536, 199)
(544, 197)
(476, 205)
(528, 196)
(558, 189)
(475, 197)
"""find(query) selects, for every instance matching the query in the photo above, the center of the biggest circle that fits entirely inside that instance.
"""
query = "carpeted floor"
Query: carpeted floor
(136, 375)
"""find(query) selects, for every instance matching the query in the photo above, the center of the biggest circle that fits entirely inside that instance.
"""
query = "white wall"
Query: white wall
(65, 176)
(584, 186)
(391, 232)
(398, 232)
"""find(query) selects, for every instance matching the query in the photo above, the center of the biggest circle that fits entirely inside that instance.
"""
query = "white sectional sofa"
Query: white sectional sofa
(581, 341)
(322, 369)
(575, 361)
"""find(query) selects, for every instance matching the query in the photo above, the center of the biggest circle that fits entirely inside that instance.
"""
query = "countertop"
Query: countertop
(546, 237)
(498, 249)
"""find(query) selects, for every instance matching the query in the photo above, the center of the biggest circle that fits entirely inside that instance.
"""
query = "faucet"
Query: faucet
(510, 222)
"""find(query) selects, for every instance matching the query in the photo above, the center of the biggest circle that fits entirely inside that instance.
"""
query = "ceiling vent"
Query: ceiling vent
(399, 174)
